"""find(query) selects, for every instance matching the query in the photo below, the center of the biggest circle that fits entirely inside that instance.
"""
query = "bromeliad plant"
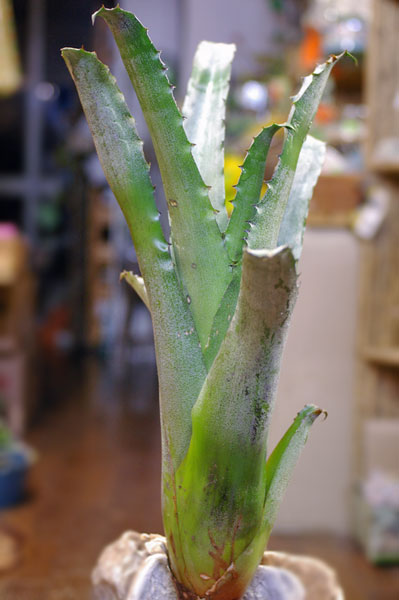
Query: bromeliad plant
(220, 294)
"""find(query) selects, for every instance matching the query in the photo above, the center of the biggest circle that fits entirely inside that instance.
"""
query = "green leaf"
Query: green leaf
(205, 108)
(282, 460)
(137, 283)
(279, 469)
(248, 192)
(222, 318)
(221, 483)
(121, 155)
(120, 151)
(266, 225)
(311, 159)
(201, 258)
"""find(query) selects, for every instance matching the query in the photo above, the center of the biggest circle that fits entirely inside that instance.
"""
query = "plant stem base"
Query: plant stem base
(135, 567)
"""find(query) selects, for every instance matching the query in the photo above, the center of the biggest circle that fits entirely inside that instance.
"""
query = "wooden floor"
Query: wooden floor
(98, 474)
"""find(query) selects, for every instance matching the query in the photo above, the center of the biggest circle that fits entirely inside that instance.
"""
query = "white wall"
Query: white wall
(249, 24)
(177, 26)
(318, 368)
(161, 17)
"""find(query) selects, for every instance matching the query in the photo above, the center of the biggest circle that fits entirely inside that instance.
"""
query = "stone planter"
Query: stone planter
(135, 567)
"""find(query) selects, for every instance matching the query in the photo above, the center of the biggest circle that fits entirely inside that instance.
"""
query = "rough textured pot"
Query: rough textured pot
(135, 567)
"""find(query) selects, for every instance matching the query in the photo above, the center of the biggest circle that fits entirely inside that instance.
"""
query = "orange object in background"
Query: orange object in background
(16, 291)
(16, 327)
(10, 68)
(326, 113)
(310, 50)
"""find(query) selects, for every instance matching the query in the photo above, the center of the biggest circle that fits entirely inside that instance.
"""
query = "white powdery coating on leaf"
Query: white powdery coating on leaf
(305, 84)
(205, 108)
(310, 162)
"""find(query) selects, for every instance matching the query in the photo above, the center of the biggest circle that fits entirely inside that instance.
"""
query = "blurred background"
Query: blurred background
(79, 433)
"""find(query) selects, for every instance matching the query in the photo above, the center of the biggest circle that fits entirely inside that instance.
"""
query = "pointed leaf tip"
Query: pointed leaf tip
(72, 56)
(324, 414)
(283, 459)
(97, 13)
(352, 56)
(103, 12)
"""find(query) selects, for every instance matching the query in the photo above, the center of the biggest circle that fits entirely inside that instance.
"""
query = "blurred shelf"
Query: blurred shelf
(385, 168)
(103, 253)
(327, 220)
(384, 356)
(19, 184)
(101, 215)
(382, 88)
(335, 200)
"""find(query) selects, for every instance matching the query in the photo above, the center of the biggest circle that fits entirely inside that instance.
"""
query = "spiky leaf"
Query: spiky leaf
(270, 212)
(200, 266)
(120, 151)
(248, 192)
(205, 108)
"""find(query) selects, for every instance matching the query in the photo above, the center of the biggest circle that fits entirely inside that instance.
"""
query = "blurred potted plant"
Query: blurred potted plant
(15, 461)
(220, 294)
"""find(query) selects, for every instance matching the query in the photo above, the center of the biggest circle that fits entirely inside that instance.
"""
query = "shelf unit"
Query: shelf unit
(387, 356)
(30, 184)
(100, 258)
(384, 168)
(382, 89)
(377, 381)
